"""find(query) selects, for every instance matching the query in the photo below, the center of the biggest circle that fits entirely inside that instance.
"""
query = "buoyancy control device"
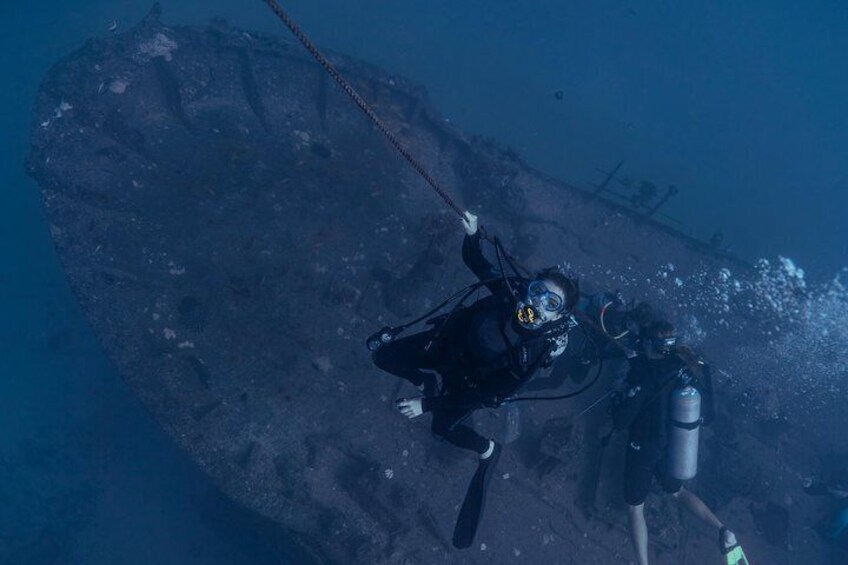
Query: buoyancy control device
(684, 430)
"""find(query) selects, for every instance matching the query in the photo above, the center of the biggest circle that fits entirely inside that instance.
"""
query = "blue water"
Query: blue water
(741, 106)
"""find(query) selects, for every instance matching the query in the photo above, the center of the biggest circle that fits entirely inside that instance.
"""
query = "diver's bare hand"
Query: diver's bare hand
(469, 222)
(410, 408)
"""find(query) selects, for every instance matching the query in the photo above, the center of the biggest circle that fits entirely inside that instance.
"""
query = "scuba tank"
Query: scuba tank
(684, 430)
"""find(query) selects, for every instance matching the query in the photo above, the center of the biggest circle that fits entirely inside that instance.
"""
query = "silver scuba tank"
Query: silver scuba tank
(684, 430)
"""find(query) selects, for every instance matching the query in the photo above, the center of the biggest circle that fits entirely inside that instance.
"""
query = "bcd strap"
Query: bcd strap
(687, 425)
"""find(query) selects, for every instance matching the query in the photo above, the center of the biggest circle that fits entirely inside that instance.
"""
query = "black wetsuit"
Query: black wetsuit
(643, 410)
(483, 355)
(591, 344)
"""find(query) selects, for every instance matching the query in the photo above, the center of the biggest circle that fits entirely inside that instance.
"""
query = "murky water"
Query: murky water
(86, 475)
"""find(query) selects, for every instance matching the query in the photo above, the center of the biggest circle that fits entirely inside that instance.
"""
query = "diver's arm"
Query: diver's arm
(629, 403)
(472, 256)
(707, 397)
(627, 407)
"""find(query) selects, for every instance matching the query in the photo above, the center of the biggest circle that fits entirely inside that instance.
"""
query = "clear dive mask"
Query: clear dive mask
(663, 345)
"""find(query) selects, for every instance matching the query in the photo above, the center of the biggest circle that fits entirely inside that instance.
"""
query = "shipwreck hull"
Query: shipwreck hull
(234, 228)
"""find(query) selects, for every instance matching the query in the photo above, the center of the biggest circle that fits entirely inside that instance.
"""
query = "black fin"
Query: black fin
(475, 500)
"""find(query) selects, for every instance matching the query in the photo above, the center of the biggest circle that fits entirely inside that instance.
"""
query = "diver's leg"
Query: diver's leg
(447, 425)
(727, 539)
(406, 357)
(697, 507)
(639, 532)
(638, 473)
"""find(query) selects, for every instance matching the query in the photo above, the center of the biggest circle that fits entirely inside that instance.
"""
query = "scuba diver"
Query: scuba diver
(662, 411)
(484, 354)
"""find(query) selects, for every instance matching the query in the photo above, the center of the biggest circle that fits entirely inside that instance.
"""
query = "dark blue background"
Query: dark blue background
(741, 105)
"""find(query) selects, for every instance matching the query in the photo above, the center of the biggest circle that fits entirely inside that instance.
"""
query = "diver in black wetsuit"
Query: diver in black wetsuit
(484, 352)
(642, 409)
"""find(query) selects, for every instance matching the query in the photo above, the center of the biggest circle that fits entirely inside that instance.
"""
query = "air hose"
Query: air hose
(577, 392)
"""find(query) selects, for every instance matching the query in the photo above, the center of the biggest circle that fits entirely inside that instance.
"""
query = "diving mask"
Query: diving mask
(540, 305)
(663, 345)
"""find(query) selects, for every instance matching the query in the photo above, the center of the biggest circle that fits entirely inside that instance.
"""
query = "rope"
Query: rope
(363, 105)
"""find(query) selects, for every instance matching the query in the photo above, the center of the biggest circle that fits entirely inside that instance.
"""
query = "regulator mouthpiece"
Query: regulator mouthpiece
(526, 314)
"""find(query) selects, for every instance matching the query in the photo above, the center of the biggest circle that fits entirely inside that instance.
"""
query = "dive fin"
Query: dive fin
(475, 500)
(735, 556)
